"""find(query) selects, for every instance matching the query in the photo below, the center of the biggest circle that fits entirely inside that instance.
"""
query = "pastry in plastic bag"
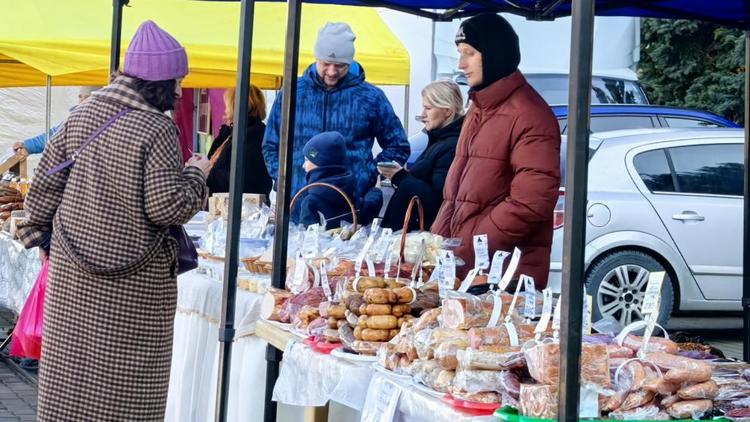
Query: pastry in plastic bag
(444, 381)
(613, 402)
(445, 353)
(464, 311)
(539, 401)
(694, 409)
(655, 344)
(543, 362)
(273, 303)
(637, 399)
(427, 372)
(429, 319)
(291, 307)
(499, 336)
(632, 376)
(332, 309)
(486, 397)
(704, 390)
(477, 381)
(616, 351)
(509, 358)
(680, 369)
(649, 412)
(368, 348)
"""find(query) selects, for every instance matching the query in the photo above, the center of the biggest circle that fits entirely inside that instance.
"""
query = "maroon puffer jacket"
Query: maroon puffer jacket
(505, 178)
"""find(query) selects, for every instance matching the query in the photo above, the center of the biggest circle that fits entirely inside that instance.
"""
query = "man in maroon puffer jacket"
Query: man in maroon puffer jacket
(505, 178)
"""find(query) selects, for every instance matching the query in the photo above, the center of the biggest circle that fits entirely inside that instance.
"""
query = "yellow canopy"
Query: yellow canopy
(69, 40)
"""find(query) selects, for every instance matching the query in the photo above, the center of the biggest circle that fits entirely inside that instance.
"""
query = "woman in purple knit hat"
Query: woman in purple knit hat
(111, 292)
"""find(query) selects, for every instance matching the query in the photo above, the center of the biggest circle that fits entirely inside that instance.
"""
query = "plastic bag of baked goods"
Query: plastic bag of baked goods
(426, 341)
(477, 381)
(500, 336)
(464, 311)
(510, 358)
(539, 401)
(446, 353)
(543, 362)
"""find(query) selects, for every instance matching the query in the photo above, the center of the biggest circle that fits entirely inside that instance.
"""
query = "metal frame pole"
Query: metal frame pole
(407, 89)
(746, 214)
(236, 188)
(114, 52)
(48, 110)
(196, 117)
(576, 187)
(284, 183)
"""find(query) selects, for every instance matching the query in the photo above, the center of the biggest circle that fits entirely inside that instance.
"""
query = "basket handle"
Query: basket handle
(407, 218)
(335, 188)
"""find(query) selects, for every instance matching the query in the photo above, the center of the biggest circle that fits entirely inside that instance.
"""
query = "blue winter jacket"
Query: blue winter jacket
(359, 111)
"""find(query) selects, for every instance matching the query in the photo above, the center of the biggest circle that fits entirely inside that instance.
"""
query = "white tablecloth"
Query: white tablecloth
(18, 271)
(195, 359)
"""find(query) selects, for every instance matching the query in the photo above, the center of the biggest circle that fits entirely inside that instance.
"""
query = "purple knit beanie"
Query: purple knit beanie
(154, 55)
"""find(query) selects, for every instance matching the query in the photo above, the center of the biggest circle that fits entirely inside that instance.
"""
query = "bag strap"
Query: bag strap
(69, 162)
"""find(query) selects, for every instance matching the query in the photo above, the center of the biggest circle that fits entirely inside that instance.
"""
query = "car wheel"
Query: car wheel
(617, 283)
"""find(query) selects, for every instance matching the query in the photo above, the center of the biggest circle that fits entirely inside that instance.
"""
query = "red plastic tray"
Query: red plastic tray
(323, 347)
(470, 407)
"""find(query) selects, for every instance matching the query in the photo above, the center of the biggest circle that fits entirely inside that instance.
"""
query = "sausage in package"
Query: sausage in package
(543, 361)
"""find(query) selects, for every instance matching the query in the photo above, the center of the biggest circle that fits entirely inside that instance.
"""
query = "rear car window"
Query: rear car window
(653, 168)
(685, 122)
(709, 169)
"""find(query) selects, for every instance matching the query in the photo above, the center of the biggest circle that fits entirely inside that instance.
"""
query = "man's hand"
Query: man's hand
(390, 171)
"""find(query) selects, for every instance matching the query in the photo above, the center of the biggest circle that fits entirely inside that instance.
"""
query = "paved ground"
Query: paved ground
(18, 390)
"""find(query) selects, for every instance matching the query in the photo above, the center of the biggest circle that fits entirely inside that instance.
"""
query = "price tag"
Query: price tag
(497, 310)
(556, 320)
(541, 327)
(589, 407)
(370, 267)
(417, 270)
(587, 308)
(511, 271)
(515, 299)
(468, 280)
(447, 270)
(375, 227)
(300, 273)
(381, 401)
(383, 244)
(653, 293)
(389, 259)
(496, 269)
(529, 306)
(481, 252)
(324, 281)
(362, 254)
(310, 244)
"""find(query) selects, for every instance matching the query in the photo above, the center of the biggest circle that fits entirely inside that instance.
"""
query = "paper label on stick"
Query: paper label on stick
(389, 257)
(481, 252)
(529, 308)
(384, 244)
(512, 333)
(466, 284)
(497, 310)
(324, 281)
(496, 269)
(543, 323)
(653, 293)
(587, 308)
(511, 271)
(362, 254)
(300, 273)
(556, 320)
(382, 400)
(370, 267)
(310, 245)
(515, 299)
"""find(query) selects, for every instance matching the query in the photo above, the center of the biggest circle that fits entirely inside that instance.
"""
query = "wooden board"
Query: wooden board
(16, 164)
(275, 336)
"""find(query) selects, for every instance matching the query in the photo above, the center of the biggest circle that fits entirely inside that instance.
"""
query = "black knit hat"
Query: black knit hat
(492, 36)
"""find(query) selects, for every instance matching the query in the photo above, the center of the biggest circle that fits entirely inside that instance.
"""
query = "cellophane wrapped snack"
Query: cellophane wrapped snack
(543, 361)
(478, 381)
(510, 358)
(539, 401)
(499, 336)
(292, 306)
(464, 311)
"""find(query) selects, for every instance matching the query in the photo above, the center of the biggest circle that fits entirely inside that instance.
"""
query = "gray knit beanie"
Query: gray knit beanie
(335, 43)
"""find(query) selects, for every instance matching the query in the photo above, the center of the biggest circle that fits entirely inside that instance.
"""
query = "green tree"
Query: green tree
(693, 64)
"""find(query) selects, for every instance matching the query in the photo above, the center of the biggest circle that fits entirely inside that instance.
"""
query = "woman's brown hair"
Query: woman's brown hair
(256, 106)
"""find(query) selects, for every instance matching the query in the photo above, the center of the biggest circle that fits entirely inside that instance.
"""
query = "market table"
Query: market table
(192, 385)
(19, 268)
(312, 380)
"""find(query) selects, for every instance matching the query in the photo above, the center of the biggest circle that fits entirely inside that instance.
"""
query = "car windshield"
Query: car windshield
(554, 89)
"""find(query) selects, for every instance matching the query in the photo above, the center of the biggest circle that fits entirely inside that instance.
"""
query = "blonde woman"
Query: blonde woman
(443, 116)
(257, 179)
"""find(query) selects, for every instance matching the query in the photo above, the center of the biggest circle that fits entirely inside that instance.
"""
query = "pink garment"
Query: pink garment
(216, 99)
(183, 116)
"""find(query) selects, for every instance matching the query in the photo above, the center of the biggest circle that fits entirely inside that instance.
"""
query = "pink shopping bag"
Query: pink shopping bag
(27, 335)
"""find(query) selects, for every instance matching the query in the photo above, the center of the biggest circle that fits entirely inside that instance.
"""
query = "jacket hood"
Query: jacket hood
(121, 91)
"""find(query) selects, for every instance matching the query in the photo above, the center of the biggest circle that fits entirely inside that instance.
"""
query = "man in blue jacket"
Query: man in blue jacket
(332, 95)
(35, 145)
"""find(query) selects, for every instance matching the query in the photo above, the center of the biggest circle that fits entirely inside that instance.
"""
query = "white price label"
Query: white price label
(496, 269)
(587, 308)
(466, 284)
(515, 299)
(389, 258)
(512, 333)
(324, 281)
(653, 293)
(447, 270)
(384, 243)
(497, 310)
(556, 317)
(529, 308)
(300, 273)
(361, 256)
(481, 252)
(381, 401)
(370, 268)
(511, 271)
(310, 244)
(541, 327)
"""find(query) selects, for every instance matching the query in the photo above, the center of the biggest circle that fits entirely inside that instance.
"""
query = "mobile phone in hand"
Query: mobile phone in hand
(388, 164)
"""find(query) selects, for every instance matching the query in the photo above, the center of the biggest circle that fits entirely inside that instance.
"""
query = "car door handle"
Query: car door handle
(688, 216)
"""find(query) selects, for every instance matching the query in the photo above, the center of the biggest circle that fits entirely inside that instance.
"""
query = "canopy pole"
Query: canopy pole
(284, 183)
(114, 51)
(576, 187)
(196, 117)
(407, 89)
(48, 110)
(746, 213)
(236, 188)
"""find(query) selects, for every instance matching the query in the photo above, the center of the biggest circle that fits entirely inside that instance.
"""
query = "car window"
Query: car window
(604, 123)
(563, 123)
(709, 169)
(686, 122)
(554, 89)
(653, 168)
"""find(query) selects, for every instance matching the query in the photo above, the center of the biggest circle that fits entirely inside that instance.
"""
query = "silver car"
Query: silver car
(661, 199)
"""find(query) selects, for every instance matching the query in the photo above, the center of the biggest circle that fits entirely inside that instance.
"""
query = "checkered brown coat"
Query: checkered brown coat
(111, 293)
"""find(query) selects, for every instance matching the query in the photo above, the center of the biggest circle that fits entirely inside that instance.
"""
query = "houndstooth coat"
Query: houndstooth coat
(111, 293)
